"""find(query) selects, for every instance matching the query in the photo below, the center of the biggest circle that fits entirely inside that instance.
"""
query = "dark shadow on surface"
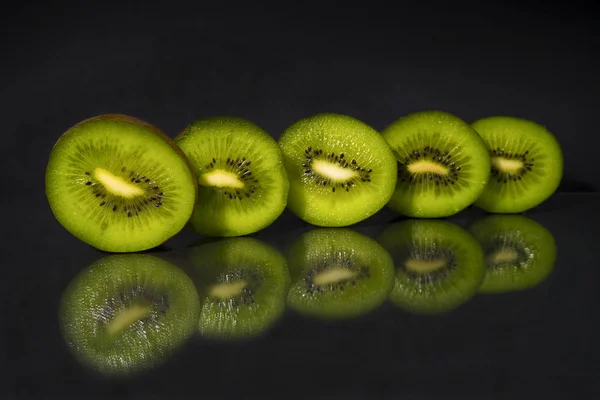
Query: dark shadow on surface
(573, 185)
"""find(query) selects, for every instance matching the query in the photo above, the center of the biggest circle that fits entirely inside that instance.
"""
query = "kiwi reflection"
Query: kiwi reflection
(439, 265)
(338, 273)
(127, 313)
(520, 253)
(242, 284)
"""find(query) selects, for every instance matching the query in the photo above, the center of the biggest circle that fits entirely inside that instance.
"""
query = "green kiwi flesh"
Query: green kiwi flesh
(242, 283)
(128, 312)
(341, 171)
(119, 184)
(443, 165)
(439, 265)
(520, 253)
(338, 273)
(243, 186)
(527, 164)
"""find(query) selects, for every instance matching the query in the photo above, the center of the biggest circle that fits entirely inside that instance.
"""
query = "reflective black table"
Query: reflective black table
(537, 338)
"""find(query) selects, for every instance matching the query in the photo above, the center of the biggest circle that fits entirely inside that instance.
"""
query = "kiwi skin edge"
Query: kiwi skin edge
(232, 137)
(426, 203)
(520, 129)
(138, 122)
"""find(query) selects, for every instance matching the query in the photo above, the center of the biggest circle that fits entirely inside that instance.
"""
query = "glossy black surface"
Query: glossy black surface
(540, 340)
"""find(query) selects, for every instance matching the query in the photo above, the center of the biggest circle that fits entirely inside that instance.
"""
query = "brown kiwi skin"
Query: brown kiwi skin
(135, 121)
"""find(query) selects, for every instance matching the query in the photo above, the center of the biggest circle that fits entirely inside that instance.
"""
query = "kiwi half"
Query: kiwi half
(439, 265)
(242, 284)
(520, 253)
(243, 186)
(443, 165)
(127, 313)
(119, 184)
(341, 170)
(338, 273)
(527, 164)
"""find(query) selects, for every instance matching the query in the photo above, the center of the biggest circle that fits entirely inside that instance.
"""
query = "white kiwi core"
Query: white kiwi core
(423, 266)
(333, 275)
(117, 185)
(424, 166)
(333, 171)
(220, 178)
(227, 290)
(502, 256)
(506, 165)
(127, 317)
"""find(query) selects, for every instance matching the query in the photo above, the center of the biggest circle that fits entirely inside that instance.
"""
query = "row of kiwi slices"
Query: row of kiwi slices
(121, 185)
(129, 312)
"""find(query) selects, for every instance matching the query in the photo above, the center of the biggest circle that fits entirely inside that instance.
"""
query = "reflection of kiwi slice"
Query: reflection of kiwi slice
(338, 273)
(520, 253)
(128, 312)
(243, 186)
(341, 170)
(242, 283)
(527, 164)
(443, 165)
(439, 265)
(119, 184)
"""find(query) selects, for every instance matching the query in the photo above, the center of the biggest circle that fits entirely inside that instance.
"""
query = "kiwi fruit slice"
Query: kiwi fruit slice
(242, 284)
(439, 265)
(520, 253)
(243, 186)
(527, 164)
(341, 170)
(443, 164)
(119, 184)
(128, 312)
(338, 273)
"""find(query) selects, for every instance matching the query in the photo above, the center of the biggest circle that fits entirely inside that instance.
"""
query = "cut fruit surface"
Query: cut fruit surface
(243, 186)
(520, 253)
(242, 283)
(527, 164)
(439, 265)
(338, 273)
(127, 313)
(119, 184)
(443, 165)
(341, 171)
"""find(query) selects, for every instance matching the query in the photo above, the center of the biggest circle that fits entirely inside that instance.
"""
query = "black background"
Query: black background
(170, 65)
